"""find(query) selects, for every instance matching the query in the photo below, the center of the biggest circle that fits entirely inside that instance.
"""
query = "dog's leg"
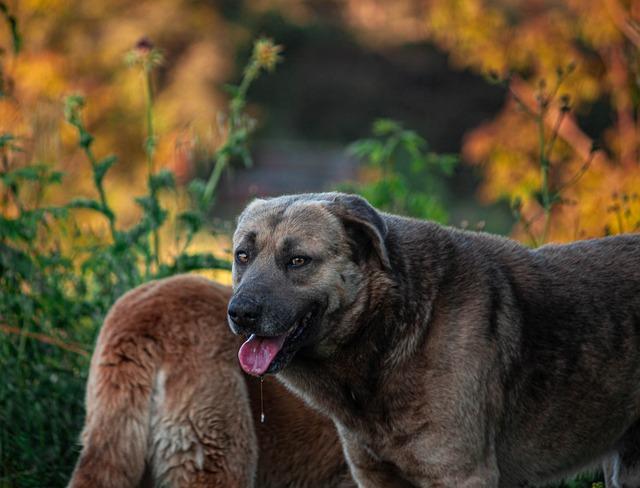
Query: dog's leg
(117, 427)
(611, 469)
(368, 471)
(622, 468)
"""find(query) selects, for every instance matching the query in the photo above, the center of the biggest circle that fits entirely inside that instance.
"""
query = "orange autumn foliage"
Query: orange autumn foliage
(79, 47)
(597, 193)
(532, 39)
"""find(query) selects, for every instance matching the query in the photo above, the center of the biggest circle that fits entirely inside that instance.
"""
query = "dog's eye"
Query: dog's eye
(242, 257)
(297, 261)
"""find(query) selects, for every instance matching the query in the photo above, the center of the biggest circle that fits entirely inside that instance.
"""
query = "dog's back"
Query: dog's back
(578, 311)
(167, 404)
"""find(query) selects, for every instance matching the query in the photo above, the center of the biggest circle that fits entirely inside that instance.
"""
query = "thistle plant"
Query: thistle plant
(239, 126)
(72, 110)
(148, 57)
(236, 127)
(58, 279)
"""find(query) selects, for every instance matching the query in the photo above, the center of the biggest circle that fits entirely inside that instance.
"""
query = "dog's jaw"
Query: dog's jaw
(261, 355)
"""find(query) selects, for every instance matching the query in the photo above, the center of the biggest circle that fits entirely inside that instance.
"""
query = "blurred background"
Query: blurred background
(423, 63)
(518, 117)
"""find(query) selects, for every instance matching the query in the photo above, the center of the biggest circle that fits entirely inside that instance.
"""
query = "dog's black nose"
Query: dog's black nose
(244, 314)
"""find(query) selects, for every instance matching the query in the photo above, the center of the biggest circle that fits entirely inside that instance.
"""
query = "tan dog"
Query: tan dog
(168, 406)
(445, 358)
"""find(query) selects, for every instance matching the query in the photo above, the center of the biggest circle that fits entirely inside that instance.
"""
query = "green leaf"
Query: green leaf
(56, 212)
(385, 127)
(86, 139)
(90, 204)
(15, 229)
(362, 148)
(196, 189)
(85, 203)
(378, 155)
(134, 234)
(444, 162)
(72, 106)
(55, 176)
(160, 216)
(246, 157)
(163, 179)
(15, 260)
(37, 173)
(412, 141)
(190, 262)
(147, 203)
(6, 138)
(151, 206)
(30, 173)
(191, 220)
(150, 144)
(102, 167)
(232, 90)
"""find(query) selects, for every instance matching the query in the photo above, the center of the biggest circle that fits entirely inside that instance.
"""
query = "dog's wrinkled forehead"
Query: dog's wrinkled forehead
(267, 222)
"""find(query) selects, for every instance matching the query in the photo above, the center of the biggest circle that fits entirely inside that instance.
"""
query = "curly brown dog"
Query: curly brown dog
(168, 406)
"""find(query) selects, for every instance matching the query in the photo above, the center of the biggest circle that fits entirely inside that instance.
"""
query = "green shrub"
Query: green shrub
(408, 177)
(58, 279)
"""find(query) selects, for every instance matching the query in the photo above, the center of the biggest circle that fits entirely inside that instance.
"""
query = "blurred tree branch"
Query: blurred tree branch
(54, 341)
(568, 130)
(623, 21)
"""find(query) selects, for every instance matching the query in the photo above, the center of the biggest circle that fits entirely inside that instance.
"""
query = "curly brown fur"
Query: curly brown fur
(168, 406)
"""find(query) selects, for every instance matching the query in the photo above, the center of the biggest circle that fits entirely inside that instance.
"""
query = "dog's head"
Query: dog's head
(301, 264)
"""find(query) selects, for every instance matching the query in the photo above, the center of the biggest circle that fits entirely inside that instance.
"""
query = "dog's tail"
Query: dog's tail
(121, 381)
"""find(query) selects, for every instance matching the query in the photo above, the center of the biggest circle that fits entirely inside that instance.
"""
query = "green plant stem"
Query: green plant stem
(150, 150)
(544, 169)
(151, 140)
(214, 179)
(46, 339)
(554, 134)
(103, 197)
(235, 113)
(11, 192)
(249, 75)
(526, 225)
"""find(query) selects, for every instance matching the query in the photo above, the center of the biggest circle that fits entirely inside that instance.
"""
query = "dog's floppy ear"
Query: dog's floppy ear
(364, 225)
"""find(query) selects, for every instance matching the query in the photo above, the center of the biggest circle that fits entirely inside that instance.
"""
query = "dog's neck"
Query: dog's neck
(389, 331)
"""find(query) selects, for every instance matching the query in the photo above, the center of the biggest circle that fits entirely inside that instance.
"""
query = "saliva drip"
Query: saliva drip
(261, 401)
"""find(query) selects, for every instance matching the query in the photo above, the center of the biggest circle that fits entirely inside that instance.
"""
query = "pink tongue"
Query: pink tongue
(257, 353)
